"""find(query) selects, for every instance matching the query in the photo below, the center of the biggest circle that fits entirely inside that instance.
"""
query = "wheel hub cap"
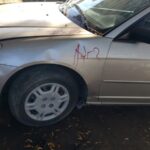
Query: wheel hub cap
(46, 101)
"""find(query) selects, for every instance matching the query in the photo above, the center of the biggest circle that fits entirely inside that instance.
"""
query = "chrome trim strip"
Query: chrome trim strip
(118, 103)
(130, 82)
(93, 103)
(124, 97)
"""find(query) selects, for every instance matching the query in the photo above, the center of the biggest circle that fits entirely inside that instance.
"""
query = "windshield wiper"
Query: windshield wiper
(83, 18)
(84, 21)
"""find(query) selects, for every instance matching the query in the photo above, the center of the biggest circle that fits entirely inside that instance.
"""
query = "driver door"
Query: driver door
(126, 77)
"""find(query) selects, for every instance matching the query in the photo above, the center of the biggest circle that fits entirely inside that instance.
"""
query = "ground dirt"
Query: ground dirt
(91, 128)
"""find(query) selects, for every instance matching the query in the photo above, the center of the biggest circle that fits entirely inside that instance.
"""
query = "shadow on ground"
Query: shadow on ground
(91, 128)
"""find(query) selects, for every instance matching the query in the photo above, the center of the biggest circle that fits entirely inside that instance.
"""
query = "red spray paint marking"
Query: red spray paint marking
(84, 55)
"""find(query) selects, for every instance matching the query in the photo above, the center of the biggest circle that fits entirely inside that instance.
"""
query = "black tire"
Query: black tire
(29, 79)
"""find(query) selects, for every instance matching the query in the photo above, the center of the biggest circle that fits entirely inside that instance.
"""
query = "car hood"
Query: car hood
(36, 19)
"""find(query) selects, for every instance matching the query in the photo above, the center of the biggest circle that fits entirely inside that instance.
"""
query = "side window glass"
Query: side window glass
(140, 32)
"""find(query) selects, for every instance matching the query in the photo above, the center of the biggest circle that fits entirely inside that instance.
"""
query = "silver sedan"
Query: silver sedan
(54, 57)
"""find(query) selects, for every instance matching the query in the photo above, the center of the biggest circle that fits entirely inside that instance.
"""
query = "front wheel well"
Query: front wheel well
(82, 86)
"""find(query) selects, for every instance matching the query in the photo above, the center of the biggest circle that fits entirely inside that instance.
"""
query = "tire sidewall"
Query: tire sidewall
(73, 95)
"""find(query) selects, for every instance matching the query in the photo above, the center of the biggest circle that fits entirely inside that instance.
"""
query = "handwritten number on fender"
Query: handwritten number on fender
(79, 54)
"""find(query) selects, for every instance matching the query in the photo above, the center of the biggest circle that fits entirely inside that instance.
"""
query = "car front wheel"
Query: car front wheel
(42, 96)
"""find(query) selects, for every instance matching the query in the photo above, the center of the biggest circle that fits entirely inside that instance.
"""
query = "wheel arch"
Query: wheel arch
(82, 85)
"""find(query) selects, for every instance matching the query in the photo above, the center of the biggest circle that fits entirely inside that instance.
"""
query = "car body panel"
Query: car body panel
(127, 71)
(45, 20)
(28, 39)
(22, 15)
(81, 55)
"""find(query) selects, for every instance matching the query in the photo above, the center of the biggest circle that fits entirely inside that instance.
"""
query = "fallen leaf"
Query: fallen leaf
(51, 146)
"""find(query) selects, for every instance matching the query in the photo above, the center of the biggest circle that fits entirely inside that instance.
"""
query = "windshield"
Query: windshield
(100, 16)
